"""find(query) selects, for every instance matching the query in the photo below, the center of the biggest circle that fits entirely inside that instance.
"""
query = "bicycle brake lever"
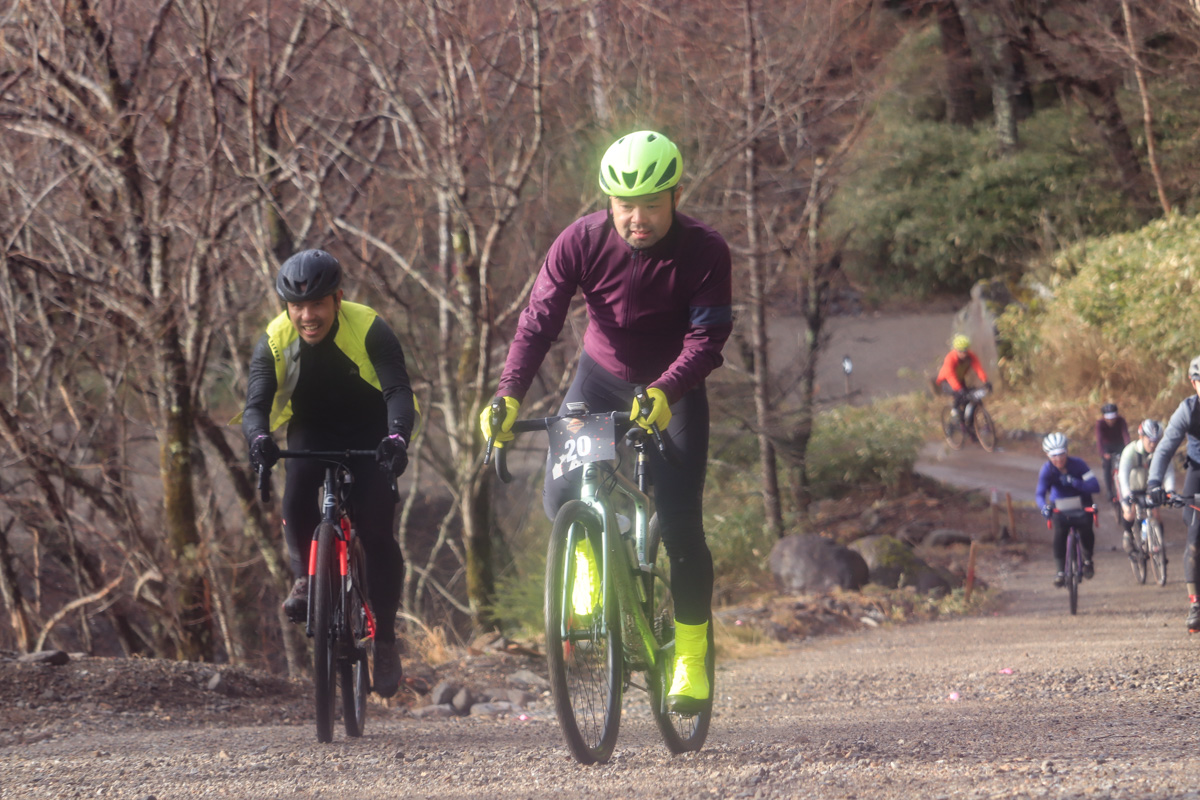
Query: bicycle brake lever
(264, 484)
(499, 410)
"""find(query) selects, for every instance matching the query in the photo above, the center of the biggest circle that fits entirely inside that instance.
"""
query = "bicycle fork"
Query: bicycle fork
(613, 566)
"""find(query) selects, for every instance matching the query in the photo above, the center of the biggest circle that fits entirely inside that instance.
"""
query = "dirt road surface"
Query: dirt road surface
(1025, 701)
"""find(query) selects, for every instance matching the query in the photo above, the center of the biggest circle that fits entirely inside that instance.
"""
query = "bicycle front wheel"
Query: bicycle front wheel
(953, 429)
(583, 650)
(322, 587)
(1158, 550)
(1074, 571)
(1137, 558)
(681, 733)
(352, 662)
(985, 429)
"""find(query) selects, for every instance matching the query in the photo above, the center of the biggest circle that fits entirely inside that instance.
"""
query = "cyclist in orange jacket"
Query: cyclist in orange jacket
(955, 366)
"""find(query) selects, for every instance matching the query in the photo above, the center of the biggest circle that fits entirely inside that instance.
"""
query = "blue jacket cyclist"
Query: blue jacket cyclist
(1066, 485)
(657, 287)
(334, 371)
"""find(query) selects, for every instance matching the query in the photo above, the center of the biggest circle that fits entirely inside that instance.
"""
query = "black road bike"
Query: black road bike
(972, 422)
(340, 621)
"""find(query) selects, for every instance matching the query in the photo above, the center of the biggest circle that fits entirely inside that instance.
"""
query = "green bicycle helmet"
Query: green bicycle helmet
(640, 163)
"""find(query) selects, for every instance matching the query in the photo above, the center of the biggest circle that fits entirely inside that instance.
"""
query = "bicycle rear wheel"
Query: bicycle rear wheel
(583, 653)
(1158, 550)
(681, 733)
(953, 429)
(321, 591)
(353, 676)
(985, 429)
(1074, 570)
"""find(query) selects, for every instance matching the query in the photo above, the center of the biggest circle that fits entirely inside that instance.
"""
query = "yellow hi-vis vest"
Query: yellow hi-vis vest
(354, 320)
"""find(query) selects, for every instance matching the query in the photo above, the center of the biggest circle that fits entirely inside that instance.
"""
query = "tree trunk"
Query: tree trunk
(772, 511)
(1135, 57)
(1105, 112)
(23, 628)
(960, 68)
(195, 635)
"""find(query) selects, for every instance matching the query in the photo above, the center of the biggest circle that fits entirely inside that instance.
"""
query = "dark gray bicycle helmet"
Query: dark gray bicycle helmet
(1109, 410)
(308, 275)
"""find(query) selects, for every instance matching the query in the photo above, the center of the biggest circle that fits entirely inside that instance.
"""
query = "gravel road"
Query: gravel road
(1024, 702)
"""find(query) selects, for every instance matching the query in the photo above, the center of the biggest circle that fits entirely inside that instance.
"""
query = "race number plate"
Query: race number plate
(575, 441)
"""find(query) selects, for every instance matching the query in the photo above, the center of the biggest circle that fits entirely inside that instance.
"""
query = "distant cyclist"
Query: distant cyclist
(1112, 436)
(1132, 473)
(1185, 422)
(1066, 485)
(334, 372)
(957, 364)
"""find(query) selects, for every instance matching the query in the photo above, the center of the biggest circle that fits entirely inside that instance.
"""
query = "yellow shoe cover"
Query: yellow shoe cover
(585, 593)
(689, 691)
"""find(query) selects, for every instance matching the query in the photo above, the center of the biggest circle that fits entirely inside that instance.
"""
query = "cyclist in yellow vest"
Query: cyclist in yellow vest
(334, 371)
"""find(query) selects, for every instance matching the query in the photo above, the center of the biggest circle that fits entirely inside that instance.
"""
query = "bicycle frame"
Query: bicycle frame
(334, 510)
(631, 594)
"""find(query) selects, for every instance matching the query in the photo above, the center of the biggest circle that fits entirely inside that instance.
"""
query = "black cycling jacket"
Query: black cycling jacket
(331, 396)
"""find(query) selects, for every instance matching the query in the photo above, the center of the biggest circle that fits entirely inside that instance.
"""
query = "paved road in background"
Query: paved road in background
(971, 468)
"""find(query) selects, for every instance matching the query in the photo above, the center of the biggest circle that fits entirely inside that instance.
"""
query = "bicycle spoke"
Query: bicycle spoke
(583, 651)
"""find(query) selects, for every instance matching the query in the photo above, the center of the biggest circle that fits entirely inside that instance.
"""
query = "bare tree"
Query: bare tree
(459, 88)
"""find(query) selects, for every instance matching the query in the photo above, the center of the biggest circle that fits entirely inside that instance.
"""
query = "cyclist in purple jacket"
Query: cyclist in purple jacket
(658, 290)
(1112, 435)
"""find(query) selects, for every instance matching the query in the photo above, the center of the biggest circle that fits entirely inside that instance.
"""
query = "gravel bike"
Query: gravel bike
(340, 621)
(1073, 568)
(1147, 542)
(630, 628)
(974, 422)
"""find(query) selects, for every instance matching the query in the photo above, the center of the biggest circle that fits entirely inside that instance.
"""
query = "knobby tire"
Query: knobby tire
(321, 592)
(953, 429)
(1137, 559)
(353, 676)
(681, 733)
(1158, 551)
(985, 429)
(1074, 570)
(585, 666)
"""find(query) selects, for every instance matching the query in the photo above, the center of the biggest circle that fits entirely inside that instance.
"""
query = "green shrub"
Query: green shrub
(930, 207)
(863, 446)
(1115, 327)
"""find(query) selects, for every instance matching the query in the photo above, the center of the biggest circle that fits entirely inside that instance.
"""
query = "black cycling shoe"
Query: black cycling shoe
(1059, 580)
(1088, 570)
(1193, 620)
(296, 605)
(388, 671)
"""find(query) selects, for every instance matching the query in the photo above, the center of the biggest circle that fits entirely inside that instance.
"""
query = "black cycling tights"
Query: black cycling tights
(373, 509)
(1191, 484)
(678, 490)
(1087, 537)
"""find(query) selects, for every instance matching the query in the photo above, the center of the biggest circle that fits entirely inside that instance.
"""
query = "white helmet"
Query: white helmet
(1055, 444)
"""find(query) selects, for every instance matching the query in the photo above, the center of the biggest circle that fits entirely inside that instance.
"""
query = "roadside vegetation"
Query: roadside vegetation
(161, 162)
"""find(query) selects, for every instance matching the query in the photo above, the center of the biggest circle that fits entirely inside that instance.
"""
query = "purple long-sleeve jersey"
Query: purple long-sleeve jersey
(658, 316)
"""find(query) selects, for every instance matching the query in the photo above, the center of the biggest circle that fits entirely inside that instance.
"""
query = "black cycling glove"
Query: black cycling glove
(392, 454)
(264, 453)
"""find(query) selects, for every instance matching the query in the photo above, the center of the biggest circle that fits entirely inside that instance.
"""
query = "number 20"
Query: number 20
(579, 448)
